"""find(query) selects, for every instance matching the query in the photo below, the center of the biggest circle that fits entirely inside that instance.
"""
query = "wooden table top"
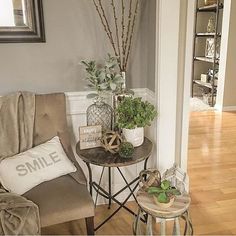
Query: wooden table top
(147, 203)
(99, 156)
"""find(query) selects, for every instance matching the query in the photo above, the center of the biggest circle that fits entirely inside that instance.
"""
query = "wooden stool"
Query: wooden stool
(179, 209)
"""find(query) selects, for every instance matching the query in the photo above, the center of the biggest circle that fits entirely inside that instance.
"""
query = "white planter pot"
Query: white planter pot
(134, 136)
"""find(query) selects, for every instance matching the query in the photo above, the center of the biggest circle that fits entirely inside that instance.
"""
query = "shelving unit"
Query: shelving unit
(214, 61)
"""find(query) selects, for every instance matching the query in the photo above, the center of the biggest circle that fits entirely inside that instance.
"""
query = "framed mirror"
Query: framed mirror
(21, 21)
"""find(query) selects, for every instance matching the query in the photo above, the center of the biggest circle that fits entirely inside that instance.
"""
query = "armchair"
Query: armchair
(62, 199)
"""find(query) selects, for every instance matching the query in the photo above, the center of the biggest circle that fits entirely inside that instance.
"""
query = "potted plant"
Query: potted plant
(102, 78)
(164, 195)
(132, 115)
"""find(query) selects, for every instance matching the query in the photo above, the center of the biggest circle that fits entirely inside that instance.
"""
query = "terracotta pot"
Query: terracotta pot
(134, 136)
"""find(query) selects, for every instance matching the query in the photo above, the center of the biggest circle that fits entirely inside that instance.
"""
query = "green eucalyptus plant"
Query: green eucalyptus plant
(164, 192)
(103, 78)
(133, 112)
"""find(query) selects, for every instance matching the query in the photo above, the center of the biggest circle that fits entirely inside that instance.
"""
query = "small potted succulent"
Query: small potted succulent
(164, 195)
(132, 115)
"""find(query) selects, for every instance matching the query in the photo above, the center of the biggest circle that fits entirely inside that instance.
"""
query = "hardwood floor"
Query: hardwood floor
(212, 172)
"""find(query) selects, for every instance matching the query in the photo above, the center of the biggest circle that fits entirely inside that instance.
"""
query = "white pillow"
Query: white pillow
(45, 162)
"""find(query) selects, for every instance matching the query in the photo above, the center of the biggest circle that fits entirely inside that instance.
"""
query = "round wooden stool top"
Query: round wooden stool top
(180, 205)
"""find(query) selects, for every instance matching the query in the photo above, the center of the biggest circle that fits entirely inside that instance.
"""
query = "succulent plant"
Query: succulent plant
(164, 192)
(126, 149)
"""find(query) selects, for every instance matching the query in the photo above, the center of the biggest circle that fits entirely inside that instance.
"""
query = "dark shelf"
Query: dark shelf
(198, 60)
(208, 35)
(210, 8)
(203, 84)
(206, 59)
(199, 82)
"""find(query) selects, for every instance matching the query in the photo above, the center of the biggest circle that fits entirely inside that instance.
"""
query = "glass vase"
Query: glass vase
(100, 113)
(123, 92)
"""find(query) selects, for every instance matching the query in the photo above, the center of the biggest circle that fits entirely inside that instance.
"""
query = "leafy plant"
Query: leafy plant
(164, 192)
(126, 149)
(133, 112)
(102, 78)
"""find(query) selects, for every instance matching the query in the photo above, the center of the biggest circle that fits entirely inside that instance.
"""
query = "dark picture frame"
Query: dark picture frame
(32, 33)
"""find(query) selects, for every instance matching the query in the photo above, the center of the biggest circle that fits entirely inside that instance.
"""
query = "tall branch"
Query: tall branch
(128, 27)
(123, 32)
(117, 30)
(102, 20)
(132, 32)
(105, 18)
(122, 44)
(105, 24)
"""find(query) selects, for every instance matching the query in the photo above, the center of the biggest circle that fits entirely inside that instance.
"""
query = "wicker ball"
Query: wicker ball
(111, 141)
(150, 177)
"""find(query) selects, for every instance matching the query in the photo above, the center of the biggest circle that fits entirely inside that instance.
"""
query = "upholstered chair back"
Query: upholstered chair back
(50, 117)
(50, 120)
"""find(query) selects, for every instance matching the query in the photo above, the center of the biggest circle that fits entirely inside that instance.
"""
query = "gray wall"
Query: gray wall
(73, 33)
(151, 39)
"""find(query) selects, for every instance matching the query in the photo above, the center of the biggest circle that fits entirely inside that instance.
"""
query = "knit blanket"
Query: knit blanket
(18, 216)
(17, 112)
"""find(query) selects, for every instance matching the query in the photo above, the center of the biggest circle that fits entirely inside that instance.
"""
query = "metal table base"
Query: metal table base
(109, 195)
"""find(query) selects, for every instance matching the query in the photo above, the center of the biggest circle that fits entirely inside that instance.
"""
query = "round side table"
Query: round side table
(100, 157)
(178, 209)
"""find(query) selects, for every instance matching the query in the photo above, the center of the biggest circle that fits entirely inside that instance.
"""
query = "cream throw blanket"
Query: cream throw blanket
(18, 216)
(16, 123)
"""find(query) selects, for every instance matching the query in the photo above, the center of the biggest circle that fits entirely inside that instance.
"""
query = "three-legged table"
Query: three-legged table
(99, 157)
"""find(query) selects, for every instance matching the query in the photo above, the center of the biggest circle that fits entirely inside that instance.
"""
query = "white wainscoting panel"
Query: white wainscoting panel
(77, 104)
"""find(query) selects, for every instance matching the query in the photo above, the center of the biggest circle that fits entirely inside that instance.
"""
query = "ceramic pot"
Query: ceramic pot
(134, 136)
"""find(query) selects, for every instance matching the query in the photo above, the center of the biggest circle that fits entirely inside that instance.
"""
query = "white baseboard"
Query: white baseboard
(229, 108)
(220, 108)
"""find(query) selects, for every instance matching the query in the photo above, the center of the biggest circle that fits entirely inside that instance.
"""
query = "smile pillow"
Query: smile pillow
(22, 172)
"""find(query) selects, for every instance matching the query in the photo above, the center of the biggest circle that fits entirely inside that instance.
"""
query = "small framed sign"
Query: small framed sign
(210, 48)
(90, 136)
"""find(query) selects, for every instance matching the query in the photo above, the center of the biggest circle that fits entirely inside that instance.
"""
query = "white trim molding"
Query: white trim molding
(229, 108)
(167, 41)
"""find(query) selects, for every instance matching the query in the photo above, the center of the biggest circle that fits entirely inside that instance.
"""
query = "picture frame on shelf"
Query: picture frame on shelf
(210, 44)
(210, 48)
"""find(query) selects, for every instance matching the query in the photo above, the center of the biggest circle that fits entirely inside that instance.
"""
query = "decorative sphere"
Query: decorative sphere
(111, 141)
(150, 178)
(126, 149)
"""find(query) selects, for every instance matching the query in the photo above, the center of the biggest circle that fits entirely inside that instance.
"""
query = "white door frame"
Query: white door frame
(173, 79)
(187, 82)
